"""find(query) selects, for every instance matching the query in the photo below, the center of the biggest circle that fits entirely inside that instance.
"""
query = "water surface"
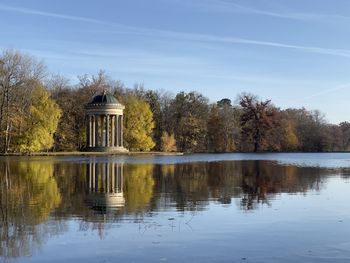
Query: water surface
(193, 208)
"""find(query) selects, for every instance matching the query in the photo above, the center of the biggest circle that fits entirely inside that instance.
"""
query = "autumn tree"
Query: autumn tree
(215, 131)
(257, 120)
(345, 128)
(138, 125)
(66, 138)
(153, 98)
(168, 143)
(223, 127)
(189, 115)
(290, 140)
(19, 74)
(40, 123)
(311, 129)
(334, 138)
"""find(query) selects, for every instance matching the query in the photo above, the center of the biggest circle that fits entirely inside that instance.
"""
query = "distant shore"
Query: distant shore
(154, 153)
(76, 153)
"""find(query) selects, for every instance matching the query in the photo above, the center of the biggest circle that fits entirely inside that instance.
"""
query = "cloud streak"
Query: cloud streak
(56, 15)
(231, 6)
(184, 36)
(328, 91)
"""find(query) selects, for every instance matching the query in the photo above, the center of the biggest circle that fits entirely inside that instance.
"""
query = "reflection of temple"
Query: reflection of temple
(105, 186)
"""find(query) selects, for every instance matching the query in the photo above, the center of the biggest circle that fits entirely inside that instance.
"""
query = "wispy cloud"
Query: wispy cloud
(194, 37)
(310, 49)
(205, 38)
(234, 7)
(56, 15)
(230, 6)
(328, 91)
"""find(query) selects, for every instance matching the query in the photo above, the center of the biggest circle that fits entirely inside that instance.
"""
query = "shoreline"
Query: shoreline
(77, 153)
(92, 154)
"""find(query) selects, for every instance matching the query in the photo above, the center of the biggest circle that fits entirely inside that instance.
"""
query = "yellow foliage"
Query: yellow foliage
(40, 124)
(291, 139)
(45, 195)
(139, 184)
(32, 190)
(168, 142)
(28, 194)
(139, 125)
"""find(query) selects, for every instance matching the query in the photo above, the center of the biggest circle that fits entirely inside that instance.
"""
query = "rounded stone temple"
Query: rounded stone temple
(104, 131)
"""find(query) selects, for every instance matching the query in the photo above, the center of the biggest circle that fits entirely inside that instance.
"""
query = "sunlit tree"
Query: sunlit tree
(40, 122)
(257, 119)
(138, 125)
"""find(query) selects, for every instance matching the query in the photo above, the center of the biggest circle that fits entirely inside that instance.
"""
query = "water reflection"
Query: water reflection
(38, 197)
(262, 180)
(105, 186)
(29, 192)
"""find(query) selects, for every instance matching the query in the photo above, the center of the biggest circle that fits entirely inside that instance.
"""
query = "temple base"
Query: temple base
(106, 149)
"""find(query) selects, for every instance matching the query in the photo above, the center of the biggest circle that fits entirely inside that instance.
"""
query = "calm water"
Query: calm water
(195, 208)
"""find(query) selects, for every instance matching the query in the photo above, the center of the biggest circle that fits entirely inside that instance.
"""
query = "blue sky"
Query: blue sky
(295, 52)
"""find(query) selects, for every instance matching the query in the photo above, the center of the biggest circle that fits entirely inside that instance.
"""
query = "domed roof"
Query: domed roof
(104, 98)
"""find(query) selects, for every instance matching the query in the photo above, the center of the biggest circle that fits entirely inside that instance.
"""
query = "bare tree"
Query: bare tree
(18, 72)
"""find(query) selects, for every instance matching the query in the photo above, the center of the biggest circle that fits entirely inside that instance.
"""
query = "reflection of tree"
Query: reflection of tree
(261, 180)
(138, 186)
(187, 186)
(182, 185)
(192, 185)
(28, 194)
(223, 179)
(256, 186)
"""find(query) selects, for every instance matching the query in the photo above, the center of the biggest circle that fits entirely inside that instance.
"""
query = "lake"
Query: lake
(191, 208)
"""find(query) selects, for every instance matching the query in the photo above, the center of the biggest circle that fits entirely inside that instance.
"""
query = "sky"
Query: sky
(294, 52)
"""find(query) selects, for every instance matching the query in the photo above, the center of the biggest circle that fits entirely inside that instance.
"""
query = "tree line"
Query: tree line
(44, 112)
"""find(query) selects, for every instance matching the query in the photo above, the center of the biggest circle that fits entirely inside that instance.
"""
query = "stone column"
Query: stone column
(102, 129)
(96, 131)
(121, 130)
(90, 175)
(117, 130)
(96, 177)
(93, 131)
(121, 178)
(103, 179)
(88, 131)
(117, 174)
(113, 130)
(113, 179)
(107, 178)
(107, 130)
